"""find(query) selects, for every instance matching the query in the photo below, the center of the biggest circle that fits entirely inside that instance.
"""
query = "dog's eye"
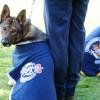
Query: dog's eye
(13, 31)
(4, 28)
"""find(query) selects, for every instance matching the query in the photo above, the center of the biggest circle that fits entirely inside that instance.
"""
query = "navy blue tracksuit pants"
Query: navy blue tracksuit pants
(33, 71)
(64, 21)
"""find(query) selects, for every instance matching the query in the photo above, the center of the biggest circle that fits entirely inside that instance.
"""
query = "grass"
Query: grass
(87, 89)
(5, 63)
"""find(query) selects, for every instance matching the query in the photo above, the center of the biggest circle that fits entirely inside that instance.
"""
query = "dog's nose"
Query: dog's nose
(5, 42)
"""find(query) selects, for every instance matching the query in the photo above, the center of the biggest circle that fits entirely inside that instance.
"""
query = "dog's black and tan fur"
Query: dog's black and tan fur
(18, 29)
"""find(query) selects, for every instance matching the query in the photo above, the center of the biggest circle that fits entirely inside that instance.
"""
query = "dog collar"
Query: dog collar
(26, 42)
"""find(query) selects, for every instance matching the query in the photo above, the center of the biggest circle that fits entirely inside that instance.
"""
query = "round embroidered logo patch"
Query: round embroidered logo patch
(29, 71)
(93, 47)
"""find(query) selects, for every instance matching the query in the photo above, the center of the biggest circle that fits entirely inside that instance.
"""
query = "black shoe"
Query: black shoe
(60, 98)
(69, 98)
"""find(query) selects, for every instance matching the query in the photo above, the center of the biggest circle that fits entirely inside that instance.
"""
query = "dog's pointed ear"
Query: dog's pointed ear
(22, 17)
(5, 13)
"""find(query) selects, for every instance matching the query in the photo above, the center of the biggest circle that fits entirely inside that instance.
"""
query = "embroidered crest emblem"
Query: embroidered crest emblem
(93, 47)
(29, 71)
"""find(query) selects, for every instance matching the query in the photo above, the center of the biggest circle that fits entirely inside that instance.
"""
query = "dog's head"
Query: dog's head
(11, 28)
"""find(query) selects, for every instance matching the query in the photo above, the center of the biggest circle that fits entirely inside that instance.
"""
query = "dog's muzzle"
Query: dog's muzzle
(5, 42)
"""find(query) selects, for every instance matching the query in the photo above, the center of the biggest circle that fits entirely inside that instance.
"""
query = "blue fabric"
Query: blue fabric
(91, 64)
(93, 34)
(33, 71)
(64, 21)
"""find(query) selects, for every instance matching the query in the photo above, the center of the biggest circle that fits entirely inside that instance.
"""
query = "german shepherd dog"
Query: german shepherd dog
(33, 67)
(16, 30)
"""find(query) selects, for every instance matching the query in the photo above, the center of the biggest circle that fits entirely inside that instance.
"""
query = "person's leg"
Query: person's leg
(57, 20)
(76, 44)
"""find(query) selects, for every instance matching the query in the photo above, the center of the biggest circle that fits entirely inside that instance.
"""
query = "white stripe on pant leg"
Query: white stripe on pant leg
(10, 93)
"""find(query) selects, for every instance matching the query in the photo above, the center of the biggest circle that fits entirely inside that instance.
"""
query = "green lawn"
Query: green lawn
(5, 63)
(87, 89)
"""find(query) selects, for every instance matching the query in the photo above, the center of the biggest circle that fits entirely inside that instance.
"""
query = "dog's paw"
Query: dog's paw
(10, 82)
